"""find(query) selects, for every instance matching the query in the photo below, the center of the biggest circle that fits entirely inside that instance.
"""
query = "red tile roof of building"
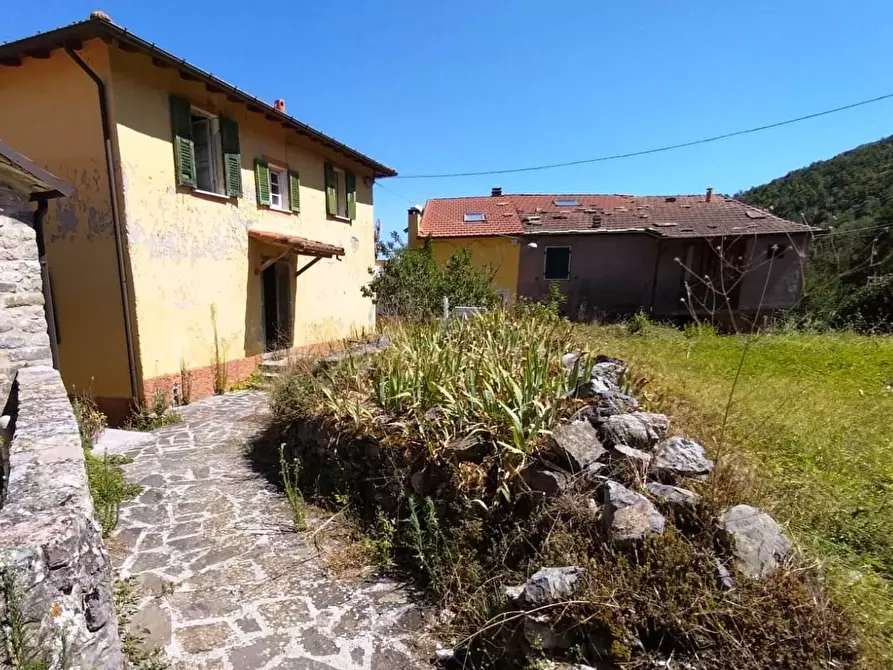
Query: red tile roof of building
(664, 216)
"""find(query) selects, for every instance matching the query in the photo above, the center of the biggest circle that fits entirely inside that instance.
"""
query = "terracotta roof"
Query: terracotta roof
(97, 26)
(663, 216)
(300, 245)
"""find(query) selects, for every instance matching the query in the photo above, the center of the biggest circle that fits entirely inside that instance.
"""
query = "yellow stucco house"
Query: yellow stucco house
(201, 215)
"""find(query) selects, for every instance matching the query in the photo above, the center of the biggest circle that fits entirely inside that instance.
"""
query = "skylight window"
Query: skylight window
(474, 217)
(566, 202)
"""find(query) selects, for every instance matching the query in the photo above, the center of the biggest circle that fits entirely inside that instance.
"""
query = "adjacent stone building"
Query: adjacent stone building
(54, 569)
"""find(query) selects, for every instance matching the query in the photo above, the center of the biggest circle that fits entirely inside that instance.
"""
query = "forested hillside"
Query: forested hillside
(849, 279)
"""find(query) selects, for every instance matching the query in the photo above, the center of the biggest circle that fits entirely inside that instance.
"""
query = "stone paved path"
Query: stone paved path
(223, 582)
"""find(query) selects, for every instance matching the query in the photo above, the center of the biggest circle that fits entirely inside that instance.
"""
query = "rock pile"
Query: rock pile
(636, 473)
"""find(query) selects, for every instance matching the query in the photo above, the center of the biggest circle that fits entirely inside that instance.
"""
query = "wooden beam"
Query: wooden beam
(11, 61)
(233, 98)
(213, 89)
(187, 76)
(267, 263)
(74, 45)
(128, 47)
(157, 62)
(271, 117)
(254, 108)
(41, 54)
(308, 266)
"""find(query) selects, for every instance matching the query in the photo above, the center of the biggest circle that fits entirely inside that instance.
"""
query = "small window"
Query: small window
(208, 153)
(776, 251)
(278, 188)
(341, 193)
(566, 202)
(558, 263)
(474, 217)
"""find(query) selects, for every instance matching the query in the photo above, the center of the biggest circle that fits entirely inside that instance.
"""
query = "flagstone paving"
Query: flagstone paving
(222, 580)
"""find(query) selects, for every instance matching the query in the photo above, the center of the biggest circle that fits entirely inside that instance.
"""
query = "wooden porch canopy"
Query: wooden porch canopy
(292, 244)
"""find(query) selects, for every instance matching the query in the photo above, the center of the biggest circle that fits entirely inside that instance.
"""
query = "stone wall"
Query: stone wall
(23, 327)
(53, 561)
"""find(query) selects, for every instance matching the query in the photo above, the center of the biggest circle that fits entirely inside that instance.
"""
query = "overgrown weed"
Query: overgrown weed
(154, 415)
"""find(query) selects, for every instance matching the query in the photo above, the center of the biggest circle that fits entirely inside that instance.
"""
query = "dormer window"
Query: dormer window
(474, 217)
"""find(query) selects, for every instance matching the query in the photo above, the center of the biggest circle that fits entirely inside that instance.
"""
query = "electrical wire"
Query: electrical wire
(402, 197)
(646, 152)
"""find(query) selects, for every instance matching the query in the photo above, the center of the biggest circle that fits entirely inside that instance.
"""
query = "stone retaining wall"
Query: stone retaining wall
(51, 551)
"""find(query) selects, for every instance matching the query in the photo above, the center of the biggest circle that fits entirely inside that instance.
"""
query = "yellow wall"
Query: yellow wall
(499, 252)
(190, 252)
(50, 113)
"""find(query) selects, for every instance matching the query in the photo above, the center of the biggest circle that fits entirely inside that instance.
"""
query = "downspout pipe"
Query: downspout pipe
(49, 310)
(116, 218)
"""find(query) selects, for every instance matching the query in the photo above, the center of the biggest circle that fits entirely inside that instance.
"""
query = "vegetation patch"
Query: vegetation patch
(108, 485)
(152, 416)
(806, 435)
(439, 447)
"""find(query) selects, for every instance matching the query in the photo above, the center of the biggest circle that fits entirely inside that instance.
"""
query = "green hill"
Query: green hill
(849, 278)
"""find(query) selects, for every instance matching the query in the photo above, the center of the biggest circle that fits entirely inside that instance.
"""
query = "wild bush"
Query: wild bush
(412, 284)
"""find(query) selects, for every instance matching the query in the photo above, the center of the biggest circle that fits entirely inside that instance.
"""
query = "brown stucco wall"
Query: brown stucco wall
(608, 273)
(628, 272)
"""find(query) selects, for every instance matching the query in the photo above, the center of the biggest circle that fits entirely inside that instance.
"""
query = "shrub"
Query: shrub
(147, 418)
(91, 421)
(109, 488)
(413, 285)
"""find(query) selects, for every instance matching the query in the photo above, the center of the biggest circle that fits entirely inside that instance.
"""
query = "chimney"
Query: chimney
(414, 217)
(496, 192)
(279, 104)
(709, 195)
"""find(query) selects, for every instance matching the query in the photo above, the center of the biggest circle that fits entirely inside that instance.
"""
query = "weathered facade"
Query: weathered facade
(668, 256)
(53, 565)
(152, 261)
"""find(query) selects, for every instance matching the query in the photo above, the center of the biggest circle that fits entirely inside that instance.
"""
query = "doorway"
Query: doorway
(277, 312)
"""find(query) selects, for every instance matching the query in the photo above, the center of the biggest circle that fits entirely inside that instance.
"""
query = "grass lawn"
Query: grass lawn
(811, 418)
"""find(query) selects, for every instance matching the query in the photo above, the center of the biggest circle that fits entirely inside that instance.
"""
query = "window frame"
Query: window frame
(546, 263)
(483, 218)
(215, 153)
(281, 173)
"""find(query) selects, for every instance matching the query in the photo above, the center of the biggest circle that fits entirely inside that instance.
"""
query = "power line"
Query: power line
(646, 152)
(403, 197)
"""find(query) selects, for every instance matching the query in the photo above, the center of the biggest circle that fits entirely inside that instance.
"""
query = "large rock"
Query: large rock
(629, 517)
(757, 542)
(541, 634)
(641, 430)
(547, 585)
(608, 403)
(575, 446)
(544, 480)
(680, 457)
(473, 447)
(677, 499)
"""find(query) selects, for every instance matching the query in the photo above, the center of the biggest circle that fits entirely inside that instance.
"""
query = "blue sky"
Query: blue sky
(468, 85)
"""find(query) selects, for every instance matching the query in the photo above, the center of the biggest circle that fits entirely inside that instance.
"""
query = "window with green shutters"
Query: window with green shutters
(206, 150)
(341, 192)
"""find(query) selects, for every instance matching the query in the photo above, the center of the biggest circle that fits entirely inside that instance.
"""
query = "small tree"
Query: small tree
(411, 283)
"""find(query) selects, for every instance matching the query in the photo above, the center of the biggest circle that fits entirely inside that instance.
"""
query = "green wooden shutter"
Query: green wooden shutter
(351, 180)
(184, 148)
(331, 190)
(232, 158)
(294, 191)
(262, 181)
